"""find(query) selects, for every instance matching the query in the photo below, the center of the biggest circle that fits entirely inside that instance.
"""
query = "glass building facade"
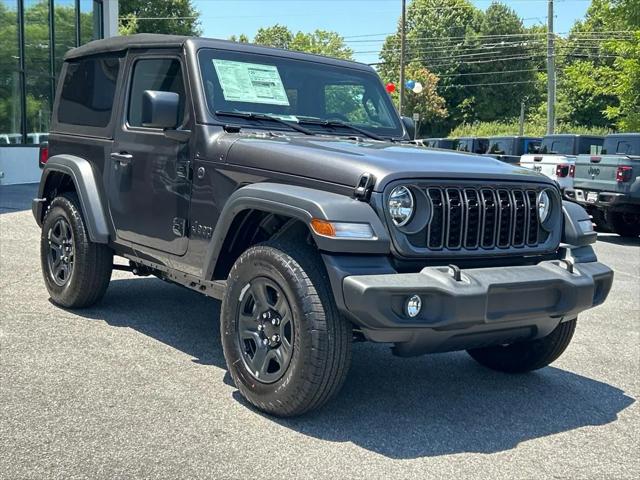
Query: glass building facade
(34, 36)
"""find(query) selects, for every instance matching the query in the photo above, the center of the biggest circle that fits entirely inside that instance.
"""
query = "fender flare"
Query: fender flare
(572, 233)
(84, 180)
(302, 204)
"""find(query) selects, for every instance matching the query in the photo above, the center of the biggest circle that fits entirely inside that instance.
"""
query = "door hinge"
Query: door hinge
(179, 226)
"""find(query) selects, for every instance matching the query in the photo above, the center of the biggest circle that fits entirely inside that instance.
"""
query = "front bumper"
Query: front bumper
(485, 306)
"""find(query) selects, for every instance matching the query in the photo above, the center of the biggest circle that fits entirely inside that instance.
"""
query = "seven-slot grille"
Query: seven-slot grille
(483, 217)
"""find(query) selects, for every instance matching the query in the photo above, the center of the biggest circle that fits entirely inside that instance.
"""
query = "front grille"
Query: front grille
(474, 218)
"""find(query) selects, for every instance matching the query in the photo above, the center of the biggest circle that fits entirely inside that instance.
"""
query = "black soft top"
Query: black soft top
(152, 40)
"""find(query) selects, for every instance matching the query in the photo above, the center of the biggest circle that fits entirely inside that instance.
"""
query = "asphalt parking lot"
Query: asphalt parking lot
(137, 387)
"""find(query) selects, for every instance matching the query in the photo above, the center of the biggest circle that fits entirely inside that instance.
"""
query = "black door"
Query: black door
(149, 186)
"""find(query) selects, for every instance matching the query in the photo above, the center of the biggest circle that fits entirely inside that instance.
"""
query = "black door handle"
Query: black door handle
(122, 158)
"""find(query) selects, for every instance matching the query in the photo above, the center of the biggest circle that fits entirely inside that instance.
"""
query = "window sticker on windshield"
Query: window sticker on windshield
(250, 82)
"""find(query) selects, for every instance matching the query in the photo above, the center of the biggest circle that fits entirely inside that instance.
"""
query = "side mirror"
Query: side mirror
(410, 127)
(160, 109)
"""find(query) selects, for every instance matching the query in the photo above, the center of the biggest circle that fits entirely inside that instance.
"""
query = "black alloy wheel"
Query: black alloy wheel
(264, 330)
(60, 257)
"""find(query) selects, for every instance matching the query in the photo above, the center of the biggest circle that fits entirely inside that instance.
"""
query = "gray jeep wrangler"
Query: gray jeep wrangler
(284, 185)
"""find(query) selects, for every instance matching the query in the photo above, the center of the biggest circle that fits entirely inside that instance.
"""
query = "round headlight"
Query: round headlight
(544, 206)
(401, 205)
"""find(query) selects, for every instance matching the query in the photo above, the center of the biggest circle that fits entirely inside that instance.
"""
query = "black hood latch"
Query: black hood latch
(364, 186)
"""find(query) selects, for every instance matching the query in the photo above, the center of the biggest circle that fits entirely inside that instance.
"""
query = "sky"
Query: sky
(351, 18)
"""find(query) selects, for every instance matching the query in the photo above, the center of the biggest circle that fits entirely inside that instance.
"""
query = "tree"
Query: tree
(456, 41)
(277, 36)
(176, 17)
(600, 74)
(431, 106)
(320, 42)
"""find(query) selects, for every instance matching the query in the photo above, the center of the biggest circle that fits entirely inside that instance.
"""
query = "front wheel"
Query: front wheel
(286, 345)
(526, 356)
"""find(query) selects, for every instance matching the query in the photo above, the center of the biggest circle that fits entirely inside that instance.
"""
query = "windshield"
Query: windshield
(297, 91)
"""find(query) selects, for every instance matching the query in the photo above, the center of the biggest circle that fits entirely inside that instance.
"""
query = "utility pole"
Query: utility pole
(551, 72)
(402, 53)
(522, 116)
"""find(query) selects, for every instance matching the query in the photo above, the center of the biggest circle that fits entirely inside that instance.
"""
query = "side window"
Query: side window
(162, 74)
(88, 92)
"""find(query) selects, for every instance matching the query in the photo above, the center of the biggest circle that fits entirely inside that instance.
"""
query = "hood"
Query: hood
(342, 161)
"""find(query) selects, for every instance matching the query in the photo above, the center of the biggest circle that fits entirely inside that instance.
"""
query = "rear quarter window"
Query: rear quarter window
(88, 92)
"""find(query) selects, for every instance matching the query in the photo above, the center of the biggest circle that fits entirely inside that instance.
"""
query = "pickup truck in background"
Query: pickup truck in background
(510, 149)
(557, 156)
(608, 184)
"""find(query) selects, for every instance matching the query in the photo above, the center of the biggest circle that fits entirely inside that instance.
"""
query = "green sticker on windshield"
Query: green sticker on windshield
(250, 82)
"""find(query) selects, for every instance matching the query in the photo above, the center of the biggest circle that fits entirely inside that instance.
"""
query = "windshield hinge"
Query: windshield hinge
(364, 186)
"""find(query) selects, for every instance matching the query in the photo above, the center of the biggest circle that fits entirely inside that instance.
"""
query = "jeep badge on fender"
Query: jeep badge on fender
(316, 223)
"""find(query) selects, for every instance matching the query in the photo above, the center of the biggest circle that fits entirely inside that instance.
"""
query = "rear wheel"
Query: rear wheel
(76, 271)
(526, 356)
(626, 224)
(286, 345)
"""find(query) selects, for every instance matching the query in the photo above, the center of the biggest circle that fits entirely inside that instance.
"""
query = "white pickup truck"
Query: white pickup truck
(557, 156)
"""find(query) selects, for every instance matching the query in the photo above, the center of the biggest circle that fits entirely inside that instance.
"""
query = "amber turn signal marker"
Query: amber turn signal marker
(322, 227)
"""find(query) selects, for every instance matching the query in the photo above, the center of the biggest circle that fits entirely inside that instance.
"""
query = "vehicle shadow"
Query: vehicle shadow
(397, 407)
(618, 240)
(15, 198)
(176, 316)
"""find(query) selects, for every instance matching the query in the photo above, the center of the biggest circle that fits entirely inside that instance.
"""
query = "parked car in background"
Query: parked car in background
(446, 143)
(608, 184)
(472, 144)
(557, 155)
(4, 139)
(510, 149)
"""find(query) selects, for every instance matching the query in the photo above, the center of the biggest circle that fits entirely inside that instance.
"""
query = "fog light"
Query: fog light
(413, 306)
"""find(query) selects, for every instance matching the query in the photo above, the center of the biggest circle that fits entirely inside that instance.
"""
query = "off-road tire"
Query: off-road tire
(526, 356)
(625, 224)
(322, 341)
(92, 262)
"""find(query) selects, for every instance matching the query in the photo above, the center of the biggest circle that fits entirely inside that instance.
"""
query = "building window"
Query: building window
(10, 85)
(34, 37)
(37, 67)
(65, 31)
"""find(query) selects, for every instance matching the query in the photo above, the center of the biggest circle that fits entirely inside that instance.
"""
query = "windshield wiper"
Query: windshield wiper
(338, 123)
(264, 116)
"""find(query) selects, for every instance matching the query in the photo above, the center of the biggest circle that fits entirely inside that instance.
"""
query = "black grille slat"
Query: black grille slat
(473, 219)
(520, 218)
(454, 215)
(505, 221)
(533, 227)
(437, 226)
(490, 217)
(480, 217)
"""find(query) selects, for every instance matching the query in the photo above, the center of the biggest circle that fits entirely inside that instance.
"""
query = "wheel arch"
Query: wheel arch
(65, 173)
(258, 212)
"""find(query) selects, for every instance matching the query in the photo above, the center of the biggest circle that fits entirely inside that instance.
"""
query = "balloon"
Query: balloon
(410, 84)
(418, 87)
(390, 87)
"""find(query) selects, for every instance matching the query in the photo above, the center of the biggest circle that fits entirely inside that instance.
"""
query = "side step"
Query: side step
(214, 289)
